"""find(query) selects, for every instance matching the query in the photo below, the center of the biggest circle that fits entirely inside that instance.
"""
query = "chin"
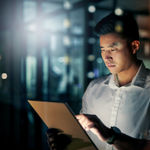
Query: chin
(113, 71)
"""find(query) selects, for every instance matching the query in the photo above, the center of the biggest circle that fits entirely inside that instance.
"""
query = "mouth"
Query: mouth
(110, 65)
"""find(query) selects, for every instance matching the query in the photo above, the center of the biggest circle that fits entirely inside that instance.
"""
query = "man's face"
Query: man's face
(115, 53)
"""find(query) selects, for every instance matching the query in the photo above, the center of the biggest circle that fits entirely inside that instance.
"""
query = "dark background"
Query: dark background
(48, 52)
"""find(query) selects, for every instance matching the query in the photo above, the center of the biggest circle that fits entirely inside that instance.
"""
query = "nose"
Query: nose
(107, 55)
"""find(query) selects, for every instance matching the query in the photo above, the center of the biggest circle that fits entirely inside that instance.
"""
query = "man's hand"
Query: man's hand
(94, 124)
(57, 140)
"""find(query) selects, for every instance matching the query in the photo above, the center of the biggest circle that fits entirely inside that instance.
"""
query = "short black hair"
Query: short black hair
(125, 25)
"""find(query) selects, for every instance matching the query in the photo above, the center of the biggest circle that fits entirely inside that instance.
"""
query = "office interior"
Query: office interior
(49, 52)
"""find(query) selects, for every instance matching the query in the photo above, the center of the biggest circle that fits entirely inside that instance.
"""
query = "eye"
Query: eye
(113, 50)
(102, 50)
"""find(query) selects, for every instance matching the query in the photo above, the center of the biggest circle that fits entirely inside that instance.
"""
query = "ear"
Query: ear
(135, 45)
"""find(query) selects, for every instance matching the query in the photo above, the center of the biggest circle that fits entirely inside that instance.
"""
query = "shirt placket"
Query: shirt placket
(114, 113)
(115, 108)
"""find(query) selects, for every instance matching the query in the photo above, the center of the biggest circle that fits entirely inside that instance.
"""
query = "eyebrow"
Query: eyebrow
(111, 45)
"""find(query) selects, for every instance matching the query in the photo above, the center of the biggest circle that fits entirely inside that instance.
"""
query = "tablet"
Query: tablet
(60, 116)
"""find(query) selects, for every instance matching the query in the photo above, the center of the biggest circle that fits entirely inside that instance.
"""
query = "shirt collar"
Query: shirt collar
(140, 77)
(138, 80)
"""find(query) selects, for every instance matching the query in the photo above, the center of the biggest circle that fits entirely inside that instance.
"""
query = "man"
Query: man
(121, 141)
(121, 99)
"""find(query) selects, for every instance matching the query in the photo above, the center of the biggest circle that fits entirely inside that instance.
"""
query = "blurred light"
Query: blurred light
(118, 11)
(77, 42)
(99, 60)
(91, 40)
(30, 117)
(66, 41)
(67, 5)
(77, 29)
(79, 86)
(96, 72)
(32, 27)
(91, 57)
(67, 23)
(0, 57)
(144, 33)
(4, 76)
(92, 23)
(53, 42)
(91, 8)
(47, 24)
(147, 48)
(118, 27)
(57, 70)
(66, 59)
(90, 75)
(61, 59)
(106, 71)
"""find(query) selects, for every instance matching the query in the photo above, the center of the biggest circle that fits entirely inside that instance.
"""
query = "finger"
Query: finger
(79, 116)
(82, 120)
(85, 122)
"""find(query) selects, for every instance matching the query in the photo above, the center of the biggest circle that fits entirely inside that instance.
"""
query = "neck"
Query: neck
(126, 76)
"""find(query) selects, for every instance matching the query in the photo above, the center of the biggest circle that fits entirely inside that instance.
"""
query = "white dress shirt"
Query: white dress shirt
(127, 107)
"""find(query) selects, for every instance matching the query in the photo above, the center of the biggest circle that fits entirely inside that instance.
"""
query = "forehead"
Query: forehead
(111, 40)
